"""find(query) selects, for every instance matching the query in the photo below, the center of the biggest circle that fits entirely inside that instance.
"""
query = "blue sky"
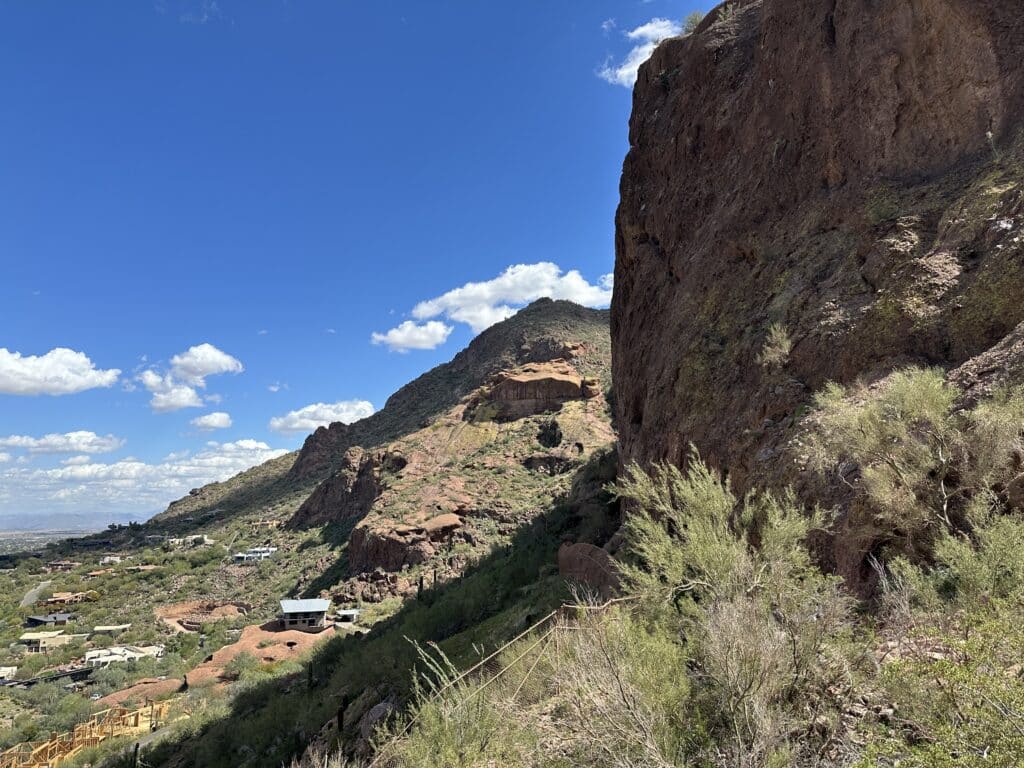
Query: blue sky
(265, 215)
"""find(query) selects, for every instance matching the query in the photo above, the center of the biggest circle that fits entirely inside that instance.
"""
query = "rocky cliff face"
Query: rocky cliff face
(846, 172)
(349, 492)
(814, 191)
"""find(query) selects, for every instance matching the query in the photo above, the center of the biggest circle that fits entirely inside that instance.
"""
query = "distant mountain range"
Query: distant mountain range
(62, 521)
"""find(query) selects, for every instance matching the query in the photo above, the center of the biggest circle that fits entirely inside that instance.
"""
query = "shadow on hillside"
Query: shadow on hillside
(501, 595)
(336, 536)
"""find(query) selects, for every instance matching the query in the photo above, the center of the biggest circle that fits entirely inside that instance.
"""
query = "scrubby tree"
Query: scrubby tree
(921, 465)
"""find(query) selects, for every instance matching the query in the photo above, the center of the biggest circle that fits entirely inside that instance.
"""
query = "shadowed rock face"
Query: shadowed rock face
(774, 155)
(847, 171)
(349, 492)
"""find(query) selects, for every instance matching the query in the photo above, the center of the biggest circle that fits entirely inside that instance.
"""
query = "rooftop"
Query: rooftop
(305, 606)
(42, 635)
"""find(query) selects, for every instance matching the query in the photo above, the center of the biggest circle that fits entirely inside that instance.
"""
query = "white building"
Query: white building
(254, 554)
(111, 629)
(8, 673)
(122, 654)
(306, 615)
(44, 642)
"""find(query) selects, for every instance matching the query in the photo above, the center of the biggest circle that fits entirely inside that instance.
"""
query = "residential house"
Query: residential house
(44, 642)
(98, 573)
(195, 540)
(114, 559)
(50, 620)
(145, 568)
(122, 654)
(347, 616)
(254, 554)
(61, 566)
(69, 598)
(305, 615)
(111, 629)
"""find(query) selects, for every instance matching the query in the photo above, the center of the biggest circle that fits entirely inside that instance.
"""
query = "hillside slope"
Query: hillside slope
(544, 330)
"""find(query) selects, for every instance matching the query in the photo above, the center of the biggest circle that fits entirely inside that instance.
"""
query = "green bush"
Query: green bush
(921, 466)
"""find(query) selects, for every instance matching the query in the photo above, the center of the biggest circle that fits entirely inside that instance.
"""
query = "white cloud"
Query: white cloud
(481, 305)
(410, 335)
(277, 386)
(76, 460)
(177, 389)
(208, 10)
(60, 371)
(646, 38)
(212, 421)
(194, 365)
(168, 394)
(321, 414)
(128, 484)
(4, 457)
(69, 442)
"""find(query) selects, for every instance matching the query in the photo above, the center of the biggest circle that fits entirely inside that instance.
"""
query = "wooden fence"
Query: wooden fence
(108, 724)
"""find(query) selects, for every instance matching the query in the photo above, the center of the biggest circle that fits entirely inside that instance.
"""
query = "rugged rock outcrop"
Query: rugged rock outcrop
(349, 492)
(814, 191)
(531, 389)
(545, 330)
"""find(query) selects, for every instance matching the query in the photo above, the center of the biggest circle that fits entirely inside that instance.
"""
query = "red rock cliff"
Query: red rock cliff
(814, 191)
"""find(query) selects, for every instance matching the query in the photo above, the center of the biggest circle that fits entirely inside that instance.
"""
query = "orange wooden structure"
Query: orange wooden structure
(108, 724)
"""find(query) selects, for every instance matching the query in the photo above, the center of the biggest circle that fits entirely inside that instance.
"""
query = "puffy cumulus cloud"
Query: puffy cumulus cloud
(169, 394)
(178, 388)
(481, 305)
(4, 457)
(321, 414)
(68, 442)
(76, 460)
(212, 421)
(127, 485)
(200, 361)
(412, 335)
(60, 371)
(645, 38)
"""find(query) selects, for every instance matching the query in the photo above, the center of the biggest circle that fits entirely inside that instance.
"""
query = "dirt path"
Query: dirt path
(32, 595)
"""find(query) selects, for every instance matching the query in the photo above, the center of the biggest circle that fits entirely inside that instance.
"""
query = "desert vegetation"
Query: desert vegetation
(730, 647)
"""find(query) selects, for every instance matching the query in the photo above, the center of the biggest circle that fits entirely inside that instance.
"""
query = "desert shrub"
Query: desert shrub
(921, 467)
(959, 696)
(773, 662)
(691, 22)
(242, 664)
(626, 693)
(777, 347)
(458, 722)
(320, 758)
